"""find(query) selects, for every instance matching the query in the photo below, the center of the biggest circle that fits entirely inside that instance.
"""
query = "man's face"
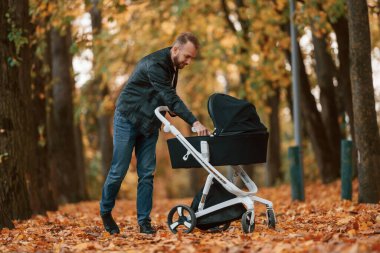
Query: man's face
(183, 54)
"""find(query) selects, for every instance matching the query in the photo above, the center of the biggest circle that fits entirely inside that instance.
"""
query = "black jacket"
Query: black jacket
(152, 84)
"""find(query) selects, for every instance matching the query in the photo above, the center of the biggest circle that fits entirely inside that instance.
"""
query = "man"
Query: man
(152, 84)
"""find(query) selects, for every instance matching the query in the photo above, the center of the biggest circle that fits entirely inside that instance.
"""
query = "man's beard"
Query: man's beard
(177, 64)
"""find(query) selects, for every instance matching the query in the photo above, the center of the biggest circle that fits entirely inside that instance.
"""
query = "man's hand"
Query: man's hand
(172, 114)
(201, 129)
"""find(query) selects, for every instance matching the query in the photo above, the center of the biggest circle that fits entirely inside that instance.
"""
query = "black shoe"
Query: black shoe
(146, 228)
(109, 224)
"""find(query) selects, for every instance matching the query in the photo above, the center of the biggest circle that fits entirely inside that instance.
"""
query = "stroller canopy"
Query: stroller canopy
(233, 116)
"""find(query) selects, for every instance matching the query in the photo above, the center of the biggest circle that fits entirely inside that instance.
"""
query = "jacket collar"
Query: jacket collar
(168, 50)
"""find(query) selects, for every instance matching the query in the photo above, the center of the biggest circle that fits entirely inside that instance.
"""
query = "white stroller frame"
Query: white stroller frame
(243, 197)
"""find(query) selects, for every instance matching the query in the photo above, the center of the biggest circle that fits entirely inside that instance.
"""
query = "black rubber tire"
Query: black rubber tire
(188, 220)
(271, 219)
(246, 223)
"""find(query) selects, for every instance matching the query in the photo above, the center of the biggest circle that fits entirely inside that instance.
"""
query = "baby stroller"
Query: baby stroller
(239, 138)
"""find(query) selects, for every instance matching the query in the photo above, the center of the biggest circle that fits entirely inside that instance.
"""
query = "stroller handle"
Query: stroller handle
(164, 120)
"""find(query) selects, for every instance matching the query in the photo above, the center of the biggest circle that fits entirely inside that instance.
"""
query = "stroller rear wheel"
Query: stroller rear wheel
(271, 219)
(248, 222)
(181, 218)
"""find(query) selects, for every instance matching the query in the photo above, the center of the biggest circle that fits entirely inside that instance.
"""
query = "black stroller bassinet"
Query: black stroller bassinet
(239, 138)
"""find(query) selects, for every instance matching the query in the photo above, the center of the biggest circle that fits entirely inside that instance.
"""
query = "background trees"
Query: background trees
(55, 121)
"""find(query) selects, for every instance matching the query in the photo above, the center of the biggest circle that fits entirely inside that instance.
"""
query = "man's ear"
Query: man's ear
(175, 49)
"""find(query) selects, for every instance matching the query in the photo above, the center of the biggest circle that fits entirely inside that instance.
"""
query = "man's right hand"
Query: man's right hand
(201, 129)
(172, 114)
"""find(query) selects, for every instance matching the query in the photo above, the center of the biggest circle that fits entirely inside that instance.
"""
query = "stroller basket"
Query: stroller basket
(216, 195)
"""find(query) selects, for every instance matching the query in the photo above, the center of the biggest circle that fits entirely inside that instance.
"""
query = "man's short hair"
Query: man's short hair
(183, 38)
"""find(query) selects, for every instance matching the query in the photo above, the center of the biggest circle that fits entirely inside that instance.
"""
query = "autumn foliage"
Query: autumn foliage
(246, 53)
(323, 223)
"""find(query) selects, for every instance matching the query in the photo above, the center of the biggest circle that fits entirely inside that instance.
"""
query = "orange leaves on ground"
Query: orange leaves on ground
(323, 223)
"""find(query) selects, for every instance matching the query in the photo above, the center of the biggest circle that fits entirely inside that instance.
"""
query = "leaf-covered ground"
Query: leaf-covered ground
(323, 223)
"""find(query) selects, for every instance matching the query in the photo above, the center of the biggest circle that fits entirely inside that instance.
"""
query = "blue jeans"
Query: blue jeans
(125, 138)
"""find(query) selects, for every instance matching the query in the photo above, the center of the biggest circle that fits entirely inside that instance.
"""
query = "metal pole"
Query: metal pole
(297, 184)
(295, 77)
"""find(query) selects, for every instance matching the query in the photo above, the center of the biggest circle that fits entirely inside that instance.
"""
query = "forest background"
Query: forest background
(70, 59)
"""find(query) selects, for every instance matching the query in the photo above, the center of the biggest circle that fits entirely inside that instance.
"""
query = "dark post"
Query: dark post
(296, 175)
(346, 169)
(295, 153)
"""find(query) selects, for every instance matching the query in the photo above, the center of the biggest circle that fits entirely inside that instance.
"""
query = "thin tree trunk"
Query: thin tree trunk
(65, 171)
(101, 93)
(105, 136)
(344, 80)
(80, 161)
(314, 127)
(274, 151)
(243, 36)
(15, 123)
(325, 76)
(41, 178)
(366, 128)
(312, 122)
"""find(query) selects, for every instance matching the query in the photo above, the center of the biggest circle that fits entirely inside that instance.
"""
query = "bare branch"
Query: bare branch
(227, 14)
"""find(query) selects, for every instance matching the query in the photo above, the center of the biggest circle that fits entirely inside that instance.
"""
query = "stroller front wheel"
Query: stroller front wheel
(181, 218)
(248, 222)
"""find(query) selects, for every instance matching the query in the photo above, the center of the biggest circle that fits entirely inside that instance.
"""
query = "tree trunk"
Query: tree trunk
(325, 76)
(344, 80)
(312, 122)
(65, 171)
(342, 37)
(366, 128)
(274, 151)
(40, 179)
(16, 148)
(244, 40)
(106, 145)
(41, 188)
(314, 127)
(5, 221)
(80, 161)
(101, 92)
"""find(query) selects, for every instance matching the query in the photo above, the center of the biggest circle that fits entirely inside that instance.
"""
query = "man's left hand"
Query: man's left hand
(201, 129)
